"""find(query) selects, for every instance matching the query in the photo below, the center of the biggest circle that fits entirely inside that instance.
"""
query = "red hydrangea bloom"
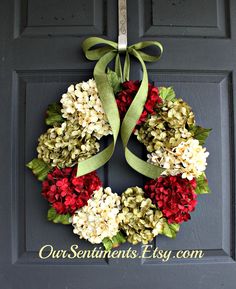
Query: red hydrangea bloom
(127, 94)
(66, 192)
(174, 196)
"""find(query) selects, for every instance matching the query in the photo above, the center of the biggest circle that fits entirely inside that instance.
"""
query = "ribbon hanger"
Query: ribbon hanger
(122, 22)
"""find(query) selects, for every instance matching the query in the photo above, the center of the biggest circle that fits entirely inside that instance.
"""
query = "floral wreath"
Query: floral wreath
(68, 155)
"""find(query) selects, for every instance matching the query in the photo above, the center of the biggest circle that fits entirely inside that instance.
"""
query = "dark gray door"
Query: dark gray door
(40, 56)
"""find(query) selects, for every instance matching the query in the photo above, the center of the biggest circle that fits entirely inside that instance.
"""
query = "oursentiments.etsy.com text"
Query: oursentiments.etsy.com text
(147, 252)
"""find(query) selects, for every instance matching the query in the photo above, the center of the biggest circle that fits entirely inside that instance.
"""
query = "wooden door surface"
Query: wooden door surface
(40, 56)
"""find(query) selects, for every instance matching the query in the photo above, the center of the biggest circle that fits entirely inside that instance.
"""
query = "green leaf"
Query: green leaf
(118, 239)
(39, 168)
(54, 115)
(114, 80)
(170, 230)
(114, 241)
(202, 185)
(200, 133)
(107, 243)
(56, 218)
(167, 93)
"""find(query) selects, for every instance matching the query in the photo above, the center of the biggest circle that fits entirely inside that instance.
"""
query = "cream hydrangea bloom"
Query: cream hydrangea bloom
(82, 103)
(99, 219)
(188, 159)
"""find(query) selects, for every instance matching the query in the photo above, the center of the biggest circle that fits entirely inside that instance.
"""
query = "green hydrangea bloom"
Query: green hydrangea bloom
(64, 146)
(168, 128)
(177, 114)
(139, 218)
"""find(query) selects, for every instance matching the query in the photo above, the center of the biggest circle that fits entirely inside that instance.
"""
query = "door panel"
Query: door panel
(185, 18)
(40, 54)
(207, 229)
(60, 18)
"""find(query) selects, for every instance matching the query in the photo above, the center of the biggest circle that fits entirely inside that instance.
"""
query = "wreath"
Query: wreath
(175, 162)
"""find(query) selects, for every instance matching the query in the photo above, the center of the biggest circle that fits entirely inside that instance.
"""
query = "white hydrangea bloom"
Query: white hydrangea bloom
(83, 104)
(188, 159)
(99, 219)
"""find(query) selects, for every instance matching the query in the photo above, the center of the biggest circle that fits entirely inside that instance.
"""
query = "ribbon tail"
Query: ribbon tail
(118, 68)
(147, 169)
(126, 67)
(109, 105)
(130, 121)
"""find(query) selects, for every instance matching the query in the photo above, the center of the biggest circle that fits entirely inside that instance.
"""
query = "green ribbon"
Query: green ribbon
(105, 55)
(136, 108)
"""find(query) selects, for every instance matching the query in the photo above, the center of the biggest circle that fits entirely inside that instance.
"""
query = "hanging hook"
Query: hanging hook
(122, 19)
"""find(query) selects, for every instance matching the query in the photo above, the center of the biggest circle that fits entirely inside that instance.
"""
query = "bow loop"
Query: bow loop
(92, 53)
(145, 44)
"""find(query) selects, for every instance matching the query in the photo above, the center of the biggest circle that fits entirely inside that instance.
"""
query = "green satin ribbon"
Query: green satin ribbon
(104, 55)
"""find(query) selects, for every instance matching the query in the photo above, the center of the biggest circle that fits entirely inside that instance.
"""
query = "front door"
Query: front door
(40, 56)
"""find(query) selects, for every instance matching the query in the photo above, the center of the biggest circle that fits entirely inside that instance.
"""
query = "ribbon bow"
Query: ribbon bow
(104, 55)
